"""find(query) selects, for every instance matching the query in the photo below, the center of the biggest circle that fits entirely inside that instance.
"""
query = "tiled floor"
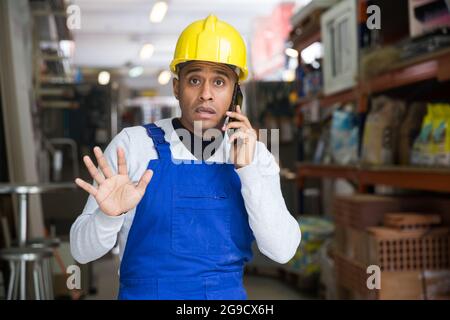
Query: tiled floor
(258, 287)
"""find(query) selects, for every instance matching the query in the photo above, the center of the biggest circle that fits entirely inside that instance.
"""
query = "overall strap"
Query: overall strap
(157, 135)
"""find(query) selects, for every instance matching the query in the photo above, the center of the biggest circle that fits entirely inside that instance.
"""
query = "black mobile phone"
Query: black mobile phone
(237, 99)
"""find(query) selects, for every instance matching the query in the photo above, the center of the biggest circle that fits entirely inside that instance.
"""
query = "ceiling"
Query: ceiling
(113, 31)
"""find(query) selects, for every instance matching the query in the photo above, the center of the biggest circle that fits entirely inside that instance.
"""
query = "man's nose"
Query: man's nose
(206, 93)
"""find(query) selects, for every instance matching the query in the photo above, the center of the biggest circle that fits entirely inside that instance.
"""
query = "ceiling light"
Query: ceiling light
(136, 71)
(158, 11)
(164, 77)
(104, 77)
(146, 51)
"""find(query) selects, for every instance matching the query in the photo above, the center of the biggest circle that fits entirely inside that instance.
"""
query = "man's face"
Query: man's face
(204, 90)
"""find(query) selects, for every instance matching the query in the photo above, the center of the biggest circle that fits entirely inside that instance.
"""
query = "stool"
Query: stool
(52, 243)
(17, 258)
(47, 242)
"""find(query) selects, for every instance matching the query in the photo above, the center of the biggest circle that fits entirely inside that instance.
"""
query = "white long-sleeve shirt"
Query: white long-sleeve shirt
(276, 232)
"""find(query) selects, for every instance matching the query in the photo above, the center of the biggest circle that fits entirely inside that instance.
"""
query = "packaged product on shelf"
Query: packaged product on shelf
(409, 130)
(447, 135)
(379, 60)
(441, 143)
(315, 231)
(344, 137)
(436, 121)
(422, 148)
(381, 131)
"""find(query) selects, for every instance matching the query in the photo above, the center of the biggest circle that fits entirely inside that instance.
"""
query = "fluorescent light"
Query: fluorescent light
(104, 77)
(146, 51)
(164, 77)
(313, 52)
(158, 11)
(136, 72)
(291, 52)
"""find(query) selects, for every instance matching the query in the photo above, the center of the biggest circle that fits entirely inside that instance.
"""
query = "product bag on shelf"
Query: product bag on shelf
(409, 131)
(381, 131)
(344, 138)
(422, 152)
(315, 231)
(441, 143)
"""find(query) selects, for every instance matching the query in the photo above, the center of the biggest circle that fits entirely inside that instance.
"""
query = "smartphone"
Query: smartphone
(237, 99)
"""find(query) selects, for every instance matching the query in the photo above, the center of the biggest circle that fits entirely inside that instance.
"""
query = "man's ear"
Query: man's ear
(176, 88)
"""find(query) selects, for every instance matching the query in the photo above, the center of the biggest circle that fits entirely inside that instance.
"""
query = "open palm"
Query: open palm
(115, 193)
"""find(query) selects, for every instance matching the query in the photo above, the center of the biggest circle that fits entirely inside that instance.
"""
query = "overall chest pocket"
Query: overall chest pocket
(200, 220)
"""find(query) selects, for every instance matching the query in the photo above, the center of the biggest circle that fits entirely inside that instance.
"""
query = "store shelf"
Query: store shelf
(431, 66)
(54, 57)
(435, 65)
(327, 101)
(415, 178)
(342, 97)
(48, 12)
(50, 80)
(59, 92)
(59, 104)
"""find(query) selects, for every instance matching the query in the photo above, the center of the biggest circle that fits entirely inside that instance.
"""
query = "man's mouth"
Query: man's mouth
(205, 113)
(205, 110)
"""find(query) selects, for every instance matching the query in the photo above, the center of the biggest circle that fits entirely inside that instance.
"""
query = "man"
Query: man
(185, 228)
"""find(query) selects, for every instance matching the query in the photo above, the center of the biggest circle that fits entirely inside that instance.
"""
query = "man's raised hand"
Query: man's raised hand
(114, 193)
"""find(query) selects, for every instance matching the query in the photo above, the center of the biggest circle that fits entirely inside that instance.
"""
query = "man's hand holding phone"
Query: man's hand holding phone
(243, 140)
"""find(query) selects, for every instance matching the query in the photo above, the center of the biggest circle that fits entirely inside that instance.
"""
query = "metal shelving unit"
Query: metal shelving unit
(406, 177)
(431, 66)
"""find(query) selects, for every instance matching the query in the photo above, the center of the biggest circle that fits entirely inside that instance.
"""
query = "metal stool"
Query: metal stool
(23, 250)
(51, 243)
(17, 258)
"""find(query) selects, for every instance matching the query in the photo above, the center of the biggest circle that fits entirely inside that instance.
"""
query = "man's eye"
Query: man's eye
(194, 81)
(219, 82)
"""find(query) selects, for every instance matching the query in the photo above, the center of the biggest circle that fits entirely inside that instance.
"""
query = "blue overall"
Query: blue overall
(190, 236)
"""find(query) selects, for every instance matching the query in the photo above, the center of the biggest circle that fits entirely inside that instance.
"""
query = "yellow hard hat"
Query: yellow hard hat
(211, 40)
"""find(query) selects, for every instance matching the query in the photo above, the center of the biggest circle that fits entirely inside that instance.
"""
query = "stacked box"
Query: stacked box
(408, 249)
(395, 285)
(394, 250)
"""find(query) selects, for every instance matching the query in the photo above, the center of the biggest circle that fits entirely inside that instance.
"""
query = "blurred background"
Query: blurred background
(358, 89)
